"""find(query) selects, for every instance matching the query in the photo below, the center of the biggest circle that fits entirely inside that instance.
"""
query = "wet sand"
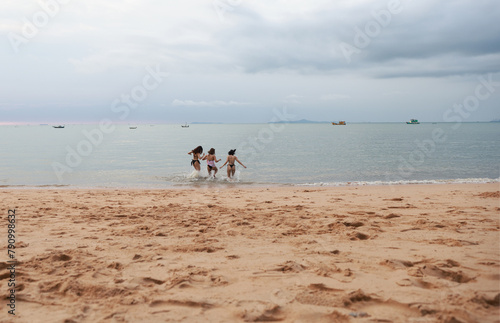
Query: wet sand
(413, 253)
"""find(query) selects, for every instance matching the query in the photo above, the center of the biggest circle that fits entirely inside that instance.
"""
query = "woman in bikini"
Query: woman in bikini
(196, 157)
(230, 161)
(211, 160)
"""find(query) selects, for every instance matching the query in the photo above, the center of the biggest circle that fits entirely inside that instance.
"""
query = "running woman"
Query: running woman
(211, 160)
(196, 157)
(230, 161)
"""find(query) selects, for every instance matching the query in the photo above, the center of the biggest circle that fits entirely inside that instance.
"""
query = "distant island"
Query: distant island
(207, 122)
(295, 121)
(300, 121)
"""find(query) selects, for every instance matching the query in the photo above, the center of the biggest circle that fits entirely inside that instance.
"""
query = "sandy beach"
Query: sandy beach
(412, 253)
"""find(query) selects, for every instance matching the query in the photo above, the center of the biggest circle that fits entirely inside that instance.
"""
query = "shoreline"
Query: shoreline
(421, 253)
(244, 185)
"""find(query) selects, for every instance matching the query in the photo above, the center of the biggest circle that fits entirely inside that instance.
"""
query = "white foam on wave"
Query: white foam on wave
(406, 182)
(235, 178)
(194, 174)
(202, 176)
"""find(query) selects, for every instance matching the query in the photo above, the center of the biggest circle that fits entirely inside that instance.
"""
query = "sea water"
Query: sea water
(156, 156)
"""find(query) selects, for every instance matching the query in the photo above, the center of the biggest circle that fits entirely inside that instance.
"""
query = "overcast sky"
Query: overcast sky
(165, 61)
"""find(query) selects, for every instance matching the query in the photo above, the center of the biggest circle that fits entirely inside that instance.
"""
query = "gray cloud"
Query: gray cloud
(263, 55)
(459, 36)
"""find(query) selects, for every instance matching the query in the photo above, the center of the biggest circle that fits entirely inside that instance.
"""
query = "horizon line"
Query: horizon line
(215, 122)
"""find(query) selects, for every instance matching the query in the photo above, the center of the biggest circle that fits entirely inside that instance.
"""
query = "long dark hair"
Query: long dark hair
(198, 150)
(231, 152)
(211, 151)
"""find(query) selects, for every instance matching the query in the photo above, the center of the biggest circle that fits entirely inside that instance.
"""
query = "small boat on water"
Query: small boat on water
(341, 123)
(413, 121)
(132, 127)
(185, 125)
(58, 127)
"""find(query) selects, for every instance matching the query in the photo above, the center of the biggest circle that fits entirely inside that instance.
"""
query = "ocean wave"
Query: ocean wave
(197, 177)
(406, 182)
(201, 180)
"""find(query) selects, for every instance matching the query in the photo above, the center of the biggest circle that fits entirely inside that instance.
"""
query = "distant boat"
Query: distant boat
(185, 125)
(413, 121)
(58, 127)
(132, 127)
(341, 123)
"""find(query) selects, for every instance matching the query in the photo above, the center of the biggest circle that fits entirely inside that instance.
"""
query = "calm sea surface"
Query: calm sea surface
(297, 154)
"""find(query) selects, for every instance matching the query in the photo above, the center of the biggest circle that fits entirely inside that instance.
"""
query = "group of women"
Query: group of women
(212, 160)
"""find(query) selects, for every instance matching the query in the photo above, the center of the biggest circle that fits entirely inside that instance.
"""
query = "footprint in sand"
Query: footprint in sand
(61, 257)
(290, 267)
(184, 303)
(358, 302)
(435, 271)
(260, 311)
(358, 236)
